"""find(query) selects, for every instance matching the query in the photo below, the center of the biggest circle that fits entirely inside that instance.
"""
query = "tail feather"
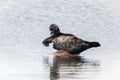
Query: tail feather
(94, 44)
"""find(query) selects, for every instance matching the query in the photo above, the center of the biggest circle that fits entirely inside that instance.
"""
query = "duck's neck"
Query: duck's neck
(56, 34)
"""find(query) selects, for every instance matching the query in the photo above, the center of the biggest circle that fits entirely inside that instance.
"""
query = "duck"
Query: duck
(67, 42)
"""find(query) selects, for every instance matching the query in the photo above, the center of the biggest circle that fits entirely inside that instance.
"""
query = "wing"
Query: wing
(70, 43)
(64, 42)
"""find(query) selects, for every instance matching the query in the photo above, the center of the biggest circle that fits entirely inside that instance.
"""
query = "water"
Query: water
(24, 25)
(73, 68)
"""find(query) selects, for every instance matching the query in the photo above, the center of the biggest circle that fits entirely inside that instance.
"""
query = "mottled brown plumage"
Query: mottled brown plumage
(67, 42)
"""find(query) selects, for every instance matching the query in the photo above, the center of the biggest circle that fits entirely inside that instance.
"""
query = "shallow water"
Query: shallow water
(24, 25)
(72, 68)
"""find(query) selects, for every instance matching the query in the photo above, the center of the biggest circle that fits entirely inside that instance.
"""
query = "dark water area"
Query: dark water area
(72, 68)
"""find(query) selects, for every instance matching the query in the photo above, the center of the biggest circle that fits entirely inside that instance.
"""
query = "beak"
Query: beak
(51, 33)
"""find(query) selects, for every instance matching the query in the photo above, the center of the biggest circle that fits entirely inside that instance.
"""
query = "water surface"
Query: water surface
(24, 25)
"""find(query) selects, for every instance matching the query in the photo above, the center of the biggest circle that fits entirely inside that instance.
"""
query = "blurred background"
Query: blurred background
(24, 25)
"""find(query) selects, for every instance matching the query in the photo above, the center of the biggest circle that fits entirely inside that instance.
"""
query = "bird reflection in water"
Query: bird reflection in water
(73, 68)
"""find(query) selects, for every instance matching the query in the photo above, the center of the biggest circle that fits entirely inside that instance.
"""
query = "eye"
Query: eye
(52, 28)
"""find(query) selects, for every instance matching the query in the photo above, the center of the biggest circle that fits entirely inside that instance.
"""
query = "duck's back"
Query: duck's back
(69, 43)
